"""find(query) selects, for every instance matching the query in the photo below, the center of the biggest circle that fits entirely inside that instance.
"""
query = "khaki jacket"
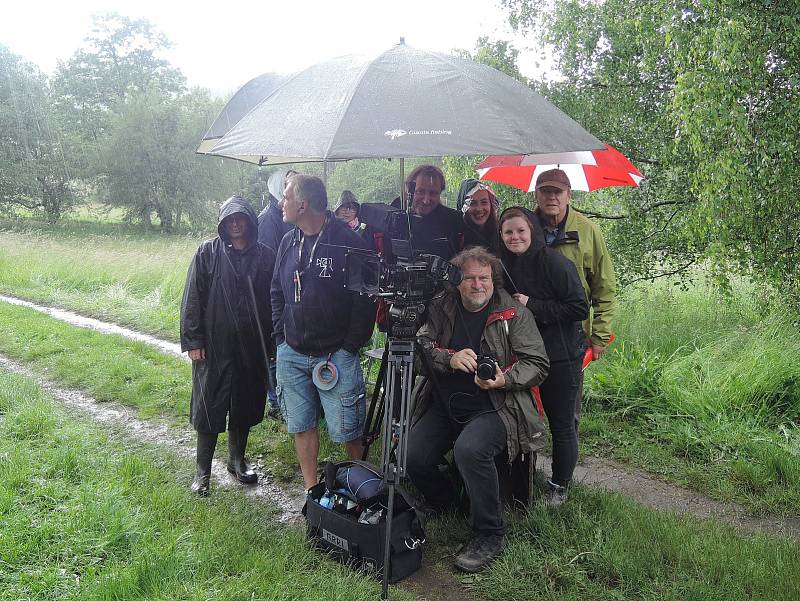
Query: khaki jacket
(513, 339)
(590, 256)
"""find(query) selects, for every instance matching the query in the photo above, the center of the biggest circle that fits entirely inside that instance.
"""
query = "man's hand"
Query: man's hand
(197, 354)
(597, 351)
(521, 298)
(498, 382)
(464, 360)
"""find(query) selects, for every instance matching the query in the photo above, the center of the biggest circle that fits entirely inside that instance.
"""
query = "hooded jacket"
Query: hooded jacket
(581, 241)
(556, 296)
(271, 227)
(218, 314)
(486, 235)
(328, 316)
(513, 340)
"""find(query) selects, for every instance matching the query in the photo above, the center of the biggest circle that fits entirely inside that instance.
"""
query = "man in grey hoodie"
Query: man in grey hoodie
(271, 230)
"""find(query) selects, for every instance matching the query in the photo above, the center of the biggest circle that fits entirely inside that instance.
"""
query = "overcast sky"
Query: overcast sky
(221, 45)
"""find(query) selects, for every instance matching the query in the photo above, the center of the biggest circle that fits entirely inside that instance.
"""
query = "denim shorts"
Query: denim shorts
(300, 400)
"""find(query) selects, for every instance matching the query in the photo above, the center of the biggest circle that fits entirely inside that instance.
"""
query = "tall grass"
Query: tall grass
(104, 271)
(701, 382)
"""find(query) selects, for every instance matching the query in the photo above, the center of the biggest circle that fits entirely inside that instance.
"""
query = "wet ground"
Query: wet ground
(427, 583)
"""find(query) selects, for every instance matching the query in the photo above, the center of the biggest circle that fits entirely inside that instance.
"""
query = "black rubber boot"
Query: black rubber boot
(206, 443)
(237, 442)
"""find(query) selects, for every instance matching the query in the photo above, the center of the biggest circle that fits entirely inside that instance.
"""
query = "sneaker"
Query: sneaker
(555, 494)
(478, 553)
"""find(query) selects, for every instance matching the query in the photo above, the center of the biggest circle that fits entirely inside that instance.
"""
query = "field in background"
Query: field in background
(701, 388)
(108, 271)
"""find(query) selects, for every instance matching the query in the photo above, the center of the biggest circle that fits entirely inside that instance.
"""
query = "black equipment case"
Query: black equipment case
(362, 545)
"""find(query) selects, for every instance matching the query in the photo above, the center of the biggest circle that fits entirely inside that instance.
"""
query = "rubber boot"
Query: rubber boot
(237, 442)
(206, 443)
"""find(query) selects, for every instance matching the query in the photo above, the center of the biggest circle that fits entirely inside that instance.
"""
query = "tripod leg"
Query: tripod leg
(372, 424)
(387, 544)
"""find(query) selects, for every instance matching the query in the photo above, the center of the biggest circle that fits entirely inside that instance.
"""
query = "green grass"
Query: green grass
(702, 389)
(603, 546)
(98, 516)
(113, 368)
(86, 513)
(108, 271)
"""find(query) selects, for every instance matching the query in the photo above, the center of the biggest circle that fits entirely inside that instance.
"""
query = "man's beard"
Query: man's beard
(472, 304)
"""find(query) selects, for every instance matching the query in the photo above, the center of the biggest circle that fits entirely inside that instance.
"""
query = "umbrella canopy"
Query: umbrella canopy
(247, 97)
(587, 170)
(402, 103)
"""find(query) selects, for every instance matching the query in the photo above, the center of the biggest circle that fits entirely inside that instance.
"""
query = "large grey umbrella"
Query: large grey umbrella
(242, 102)
(403, 103)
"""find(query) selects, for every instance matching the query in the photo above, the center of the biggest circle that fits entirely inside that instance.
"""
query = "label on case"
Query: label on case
(336, 541)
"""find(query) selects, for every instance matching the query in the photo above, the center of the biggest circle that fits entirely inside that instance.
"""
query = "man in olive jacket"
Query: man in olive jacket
(226, 324)
(479, 418)
(581, 241)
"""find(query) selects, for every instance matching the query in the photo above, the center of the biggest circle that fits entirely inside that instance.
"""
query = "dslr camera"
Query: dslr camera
(486, 367)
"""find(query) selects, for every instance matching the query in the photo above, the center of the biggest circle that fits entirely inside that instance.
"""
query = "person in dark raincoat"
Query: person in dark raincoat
(226, 335)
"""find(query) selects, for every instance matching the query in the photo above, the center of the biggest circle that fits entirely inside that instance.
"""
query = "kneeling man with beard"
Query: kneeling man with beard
(478, 418)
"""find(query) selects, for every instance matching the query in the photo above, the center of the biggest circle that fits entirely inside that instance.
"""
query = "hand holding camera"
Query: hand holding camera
(488, 374)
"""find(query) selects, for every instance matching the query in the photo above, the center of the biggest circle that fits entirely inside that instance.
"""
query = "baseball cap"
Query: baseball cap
(555, 178)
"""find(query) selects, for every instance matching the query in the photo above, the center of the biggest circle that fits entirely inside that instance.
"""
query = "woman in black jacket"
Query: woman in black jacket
(478, 204)
(547, 283)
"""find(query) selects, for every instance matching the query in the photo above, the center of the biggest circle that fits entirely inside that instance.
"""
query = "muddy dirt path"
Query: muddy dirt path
(288, 502)
(90, 323)
(593, 471)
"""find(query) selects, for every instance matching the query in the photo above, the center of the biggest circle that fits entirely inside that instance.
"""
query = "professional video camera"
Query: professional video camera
(405, 276)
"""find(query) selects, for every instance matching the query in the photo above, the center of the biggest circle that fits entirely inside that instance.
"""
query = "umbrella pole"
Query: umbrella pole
(403, 200)
(325, 173)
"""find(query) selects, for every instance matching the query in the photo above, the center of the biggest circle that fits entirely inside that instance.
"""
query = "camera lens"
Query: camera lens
(486, 369)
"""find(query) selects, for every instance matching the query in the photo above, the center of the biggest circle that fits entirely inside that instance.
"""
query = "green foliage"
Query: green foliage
(36, 150)
(703, 97)
(120, 57)
(701, 387)
(146, 161)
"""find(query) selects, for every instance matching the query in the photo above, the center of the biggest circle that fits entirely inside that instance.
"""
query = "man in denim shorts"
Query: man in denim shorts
(319, 326)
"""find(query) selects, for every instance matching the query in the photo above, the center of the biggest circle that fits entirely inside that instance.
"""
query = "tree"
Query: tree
(146, 161)
(501, 55)
(36, 154)
(121, 57)
(703, 96)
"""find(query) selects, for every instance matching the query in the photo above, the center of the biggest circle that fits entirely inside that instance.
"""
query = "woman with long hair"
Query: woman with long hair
(547, 284)
(478, 204)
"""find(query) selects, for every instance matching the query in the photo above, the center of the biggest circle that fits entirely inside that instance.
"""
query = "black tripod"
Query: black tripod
(389, 414)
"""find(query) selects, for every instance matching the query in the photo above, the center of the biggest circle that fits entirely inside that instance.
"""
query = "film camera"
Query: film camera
(405, 276)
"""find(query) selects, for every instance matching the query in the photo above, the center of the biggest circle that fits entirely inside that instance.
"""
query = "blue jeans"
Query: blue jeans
(300, 400)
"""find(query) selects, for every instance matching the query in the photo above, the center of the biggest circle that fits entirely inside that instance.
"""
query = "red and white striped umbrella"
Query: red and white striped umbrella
(587, 170)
